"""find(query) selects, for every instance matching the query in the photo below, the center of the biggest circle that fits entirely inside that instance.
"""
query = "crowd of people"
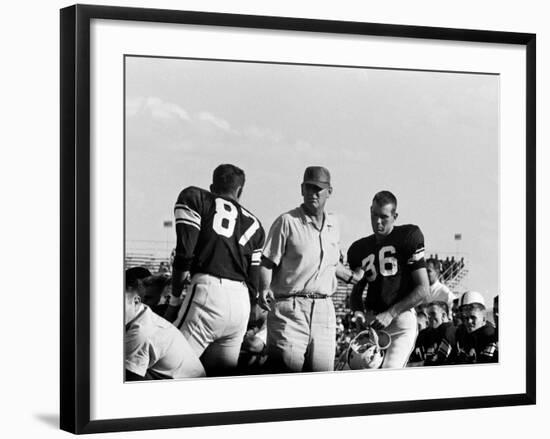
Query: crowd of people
(237, 300)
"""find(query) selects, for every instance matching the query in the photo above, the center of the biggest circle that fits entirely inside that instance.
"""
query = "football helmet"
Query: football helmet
(366, 350)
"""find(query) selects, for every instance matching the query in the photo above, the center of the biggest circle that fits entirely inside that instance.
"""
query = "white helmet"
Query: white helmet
(366, 349)
(471, 297)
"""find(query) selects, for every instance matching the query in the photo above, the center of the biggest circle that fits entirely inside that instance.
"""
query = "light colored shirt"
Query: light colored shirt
(305, 257)
(440, 293)
(152, 343)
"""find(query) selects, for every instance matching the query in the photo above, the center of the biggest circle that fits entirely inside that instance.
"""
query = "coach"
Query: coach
(300, 262)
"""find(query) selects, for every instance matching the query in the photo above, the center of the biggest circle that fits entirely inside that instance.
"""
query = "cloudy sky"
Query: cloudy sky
(429, 137)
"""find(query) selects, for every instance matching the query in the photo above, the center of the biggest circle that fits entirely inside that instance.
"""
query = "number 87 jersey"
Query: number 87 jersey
(216, 235)
(388, 265)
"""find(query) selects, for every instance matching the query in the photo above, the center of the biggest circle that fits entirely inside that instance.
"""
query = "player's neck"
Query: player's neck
(229, 196)
(380, 238)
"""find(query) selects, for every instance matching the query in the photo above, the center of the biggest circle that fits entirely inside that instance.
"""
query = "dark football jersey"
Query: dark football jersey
(216, 235)
(480, 346)
(388, 265)
(437, 346)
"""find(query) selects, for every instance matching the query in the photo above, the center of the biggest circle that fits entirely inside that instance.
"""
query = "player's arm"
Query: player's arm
(188, 225)
(489, 352)
(253, 282)
(347, 275)
(273, 252)
(255, 261)
(420, 291)
(265, 295)
(356, 296)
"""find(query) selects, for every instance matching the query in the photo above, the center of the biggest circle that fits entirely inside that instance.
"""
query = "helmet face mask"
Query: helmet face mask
(364, 351)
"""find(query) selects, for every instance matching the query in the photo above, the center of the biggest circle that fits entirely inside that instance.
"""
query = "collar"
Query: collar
(306, 219)
(138, 316)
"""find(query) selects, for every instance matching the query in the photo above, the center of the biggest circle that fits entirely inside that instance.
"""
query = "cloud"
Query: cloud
(157, 108)
(218, 122)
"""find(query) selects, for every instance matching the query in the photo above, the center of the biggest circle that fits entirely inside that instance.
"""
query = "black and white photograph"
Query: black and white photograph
(274, 218)
(295, 218)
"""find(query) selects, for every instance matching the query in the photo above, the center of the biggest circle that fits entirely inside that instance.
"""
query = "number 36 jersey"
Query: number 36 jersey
(216, 235)
(388, 265)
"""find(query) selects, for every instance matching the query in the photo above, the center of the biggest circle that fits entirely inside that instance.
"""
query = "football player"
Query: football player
(477, 338)
(395, 276)
(218, 249)
(436, 345)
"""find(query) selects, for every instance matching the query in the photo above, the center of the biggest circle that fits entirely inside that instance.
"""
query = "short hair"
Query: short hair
(435, 263)
(133, 276)
(385, 197)
(227, 179)
(442, 305)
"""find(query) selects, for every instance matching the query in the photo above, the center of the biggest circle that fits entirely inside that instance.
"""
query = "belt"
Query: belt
(310, 295)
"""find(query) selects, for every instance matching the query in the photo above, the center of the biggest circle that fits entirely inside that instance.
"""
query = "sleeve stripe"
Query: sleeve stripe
(416, 257)
(490, 350)
(256, 257)
(444, 348)
(182, 211)
(189, 223)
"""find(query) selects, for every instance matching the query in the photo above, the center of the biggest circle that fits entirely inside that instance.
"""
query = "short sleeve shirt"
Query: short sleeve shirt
(305, 257)
(153, 344)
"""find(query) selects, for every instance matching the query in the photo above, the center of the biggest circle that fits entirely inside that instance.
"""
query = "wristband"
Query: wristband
(175, 301)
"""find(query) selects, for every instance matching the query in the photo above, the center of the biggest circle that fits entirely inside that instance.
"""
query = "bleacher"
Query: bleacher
(147, 260)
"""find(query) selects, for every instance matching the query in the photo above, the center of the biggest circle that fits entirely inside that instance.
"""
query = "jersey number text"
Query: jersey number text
(226, 218)
(387, 262)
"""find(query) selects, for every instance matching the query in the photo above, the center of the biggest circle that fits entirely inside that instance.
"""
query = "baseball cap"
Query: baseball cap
(134, 274)
(318, 176)
(470, 297)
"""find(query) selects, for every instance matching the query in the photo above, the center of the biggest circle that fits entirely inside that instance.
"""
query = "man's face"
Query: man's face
(382, 218)
(131, 305)
(436, 316)
(432, 273)
(315, 197)
(421, 322)
(473, 318)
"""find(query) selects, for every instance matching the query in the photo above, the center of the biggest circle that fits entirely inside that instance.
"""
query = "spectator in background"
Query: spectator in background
(455, 313)
(163, 268)
(477, 339)
(436, 344)
(421, 320)
(153, 347)
(153, 292)
(439, 292)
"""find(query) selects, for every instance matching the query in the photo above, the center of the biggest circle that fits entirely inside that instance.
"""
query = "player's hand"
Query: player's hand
(359, 319)
(265, 298)
(357, 276)
(382, 320)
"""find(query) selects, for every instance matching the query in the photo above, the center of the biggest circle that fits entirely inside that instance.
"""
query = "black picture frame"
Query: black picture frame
(75, 217)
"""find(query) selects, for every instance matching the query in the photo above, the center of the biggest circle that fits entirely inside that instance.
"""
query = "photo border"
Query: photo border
(76, 214)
